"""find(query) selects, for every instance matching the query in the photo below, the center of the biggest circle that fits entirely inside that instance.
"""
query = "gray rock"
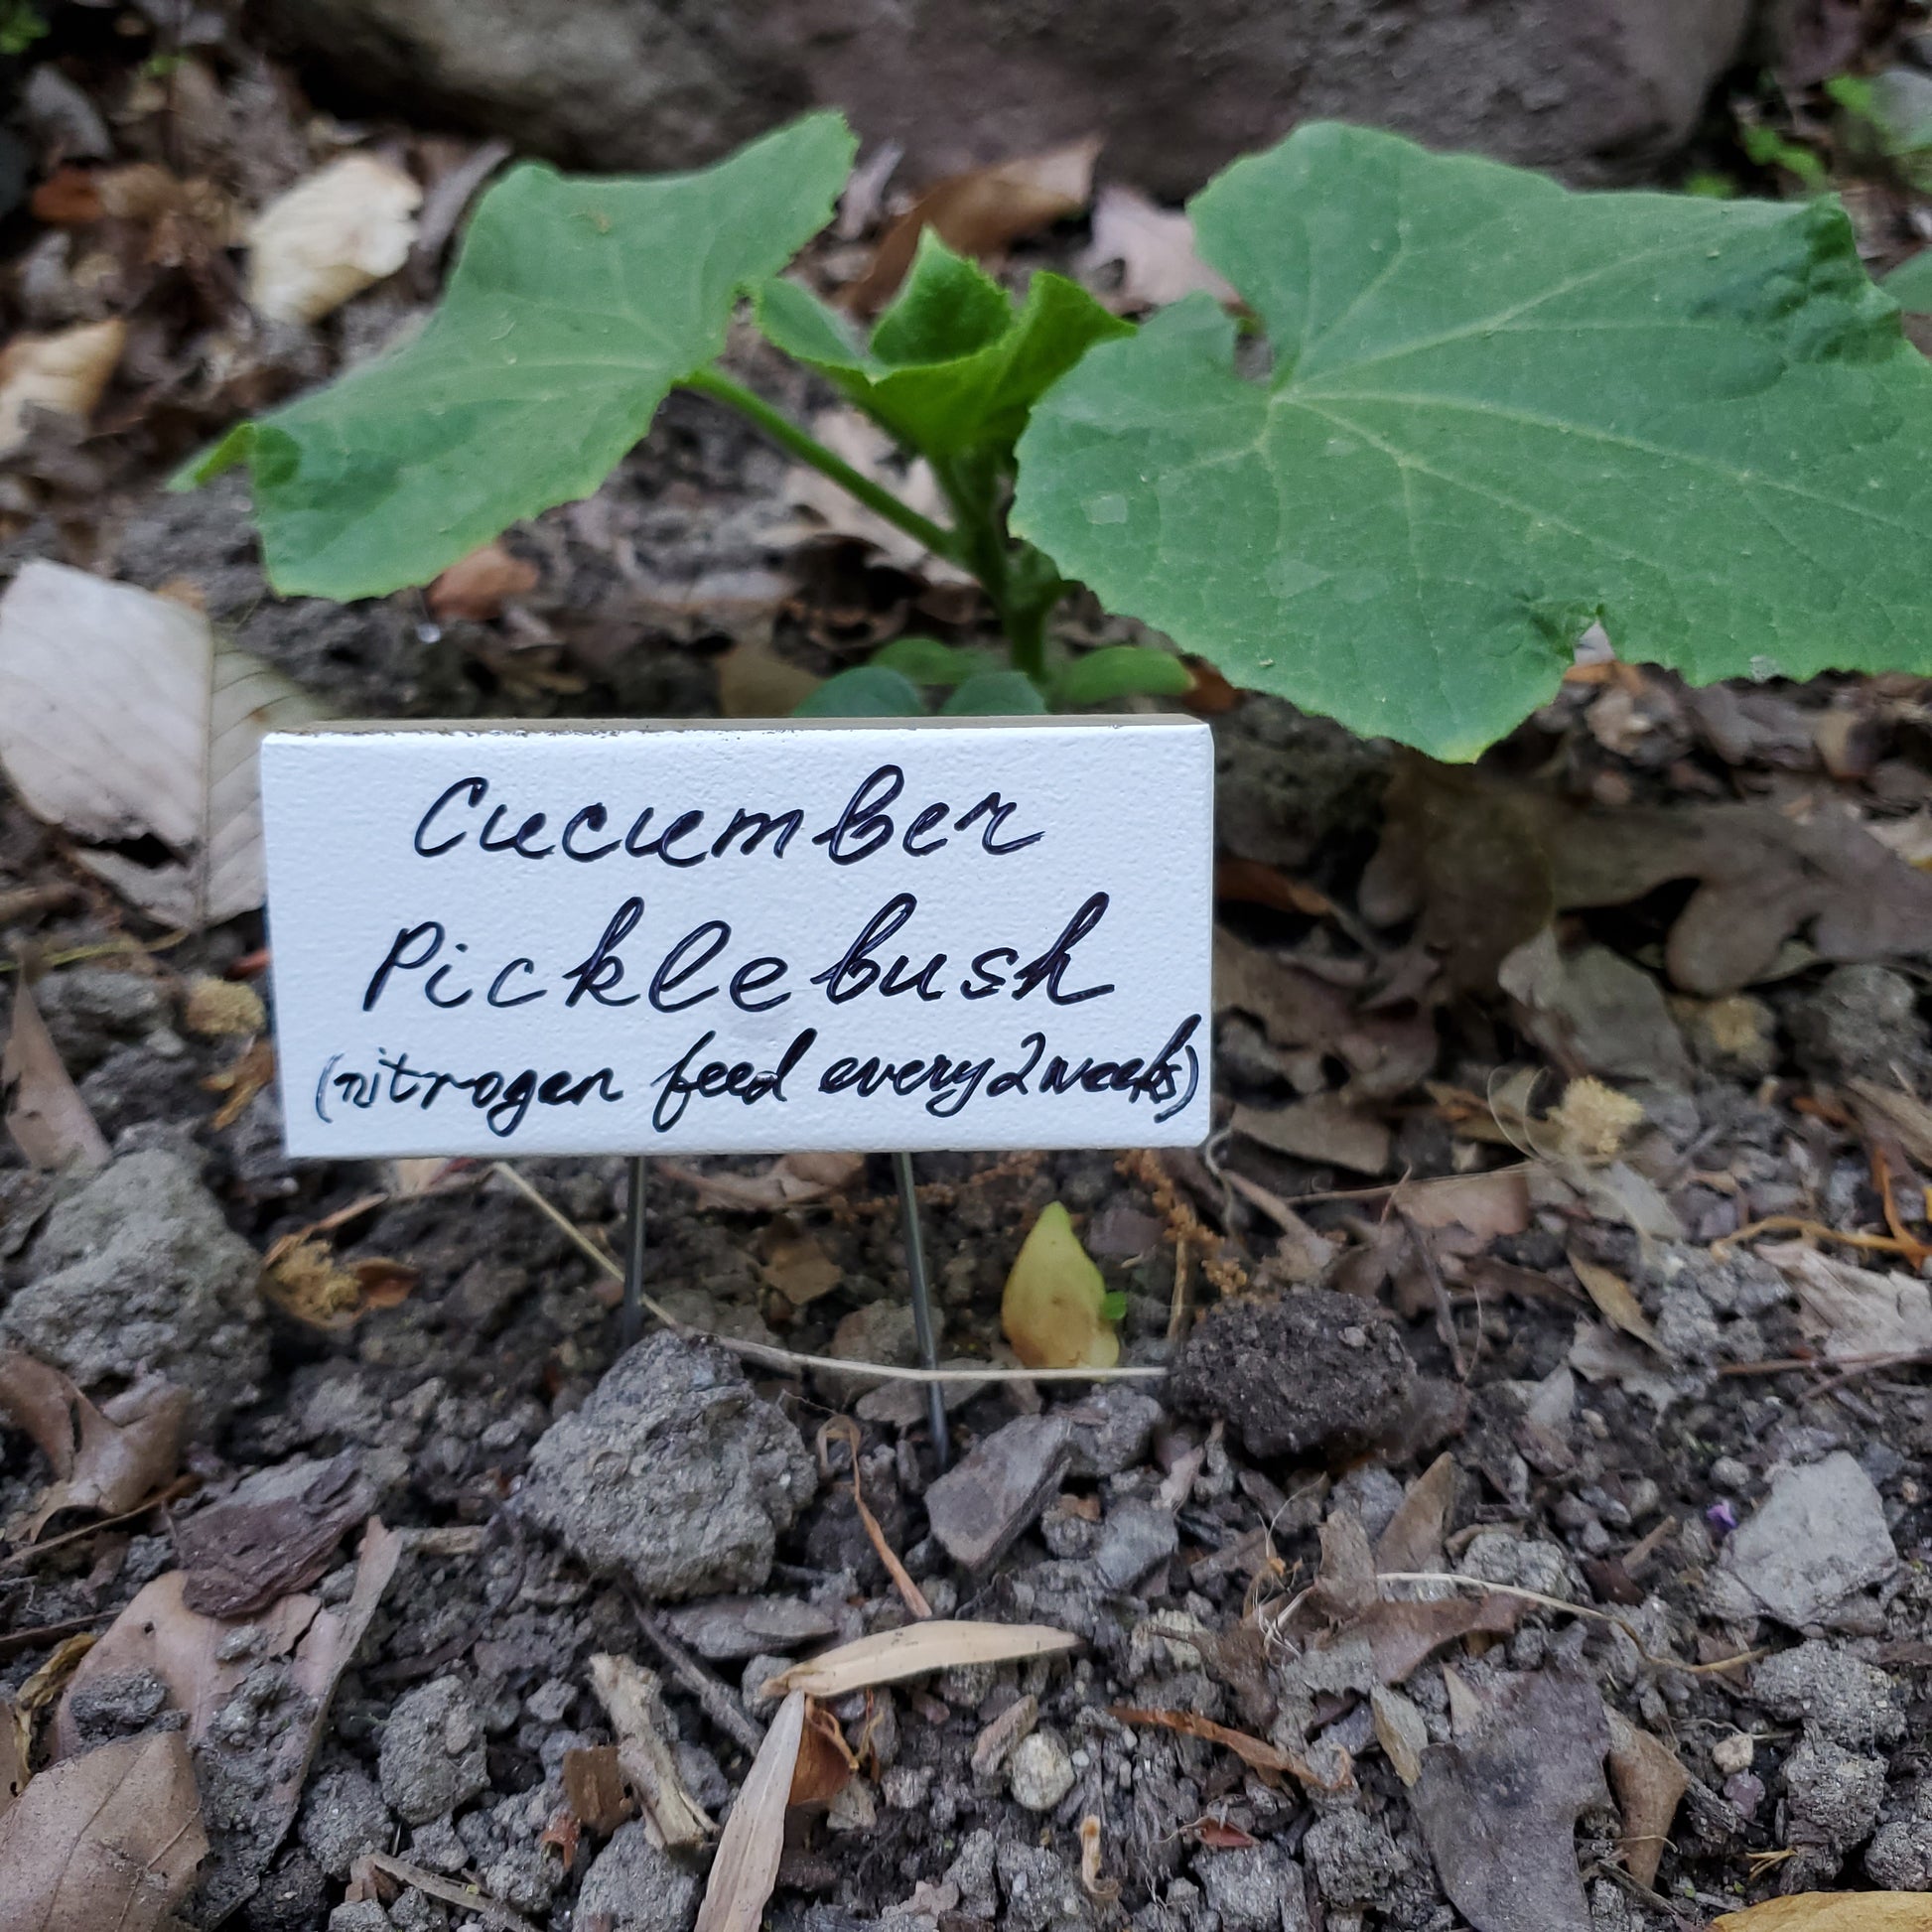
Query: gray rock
(1112, 1429)
(1899, 1856)
(1039, 1891)
(674, 1473)
(1135, 1537)
(729, 1627)
(138, 1274)
(991, 1497)
(117, 1704)
(365, 1916)
(342, 1817)
(1833, 1796)
(432, 1757)
(1354, 1860)
(1836, 1695)
(1039, 1772)
(1862, 1022)
(88, 1008)
(1817, 1538)
(1313, 1371)
(641, 1886)
(1596, 88)
(1254, 1888)
(1520, 1563)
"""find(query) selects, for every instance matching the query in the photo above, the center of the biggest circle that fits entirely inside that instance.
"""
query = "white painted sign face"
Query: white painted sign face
(736, 938)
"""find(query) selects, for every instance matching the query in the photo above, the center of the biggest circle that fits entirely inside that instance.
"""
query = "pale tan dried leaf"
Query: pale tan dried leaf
(753, 681)
(15, 1736)
(983, 212)
(889, 1655)
(45, 1116)
(1909, 1117)
(794, 1181)
(478, 586)
(414, 1174)
(1615, 1299)
(1648, 1781)
(110, 1840)
(65, 372)
(1855, 1311)
(329, 236)
(1322, 1128)
(121, 717)
(859, 441)
(1399, 1731)
(1413, 1538)
(220, 1009)
(124, 1453)
(1487, 1205)
(1155, 248)
(634, 1701)
(1403, 1636)
(801, 1270)
(747, 1865)
(1834, 1911)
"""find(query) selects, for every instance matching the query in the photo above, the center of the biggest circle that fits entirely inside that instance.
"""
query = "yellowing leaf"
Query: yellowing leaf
(1834, 1911)
(1051, 1312)
(123, 718)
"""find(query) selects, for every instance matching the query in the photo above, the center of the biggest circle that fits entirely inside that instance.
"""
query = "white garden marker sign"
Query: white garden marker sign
(813, 936)
(729, 938)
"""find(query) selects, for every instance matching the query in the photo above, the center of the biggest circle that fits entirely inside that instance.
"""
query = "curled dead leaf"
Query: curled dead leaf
(1648, 1782)
(1615, 1299)
(329, 236)
(887, 1656)
(45, 1116)
(65, 373)
(478, 586)
(1255, 1752)
(1834, 1911)
(1155, 248)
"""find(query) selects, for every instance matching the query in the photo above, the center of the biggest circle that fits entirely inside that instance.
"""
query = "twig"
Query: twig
(170, 1492)
(1812, 1230)
(470, 1899)
(842, 1429)
(717, 1702)
(788, 1361)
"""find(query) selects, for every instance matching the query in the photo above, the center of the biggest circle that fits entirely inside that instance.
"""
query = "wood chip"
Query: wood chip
(891, 1655)
(633, 1700)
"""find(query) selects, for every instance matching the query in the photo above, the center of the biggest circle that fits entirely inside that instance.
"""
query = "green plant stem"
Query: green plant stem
(808, 449)
(1023, 585)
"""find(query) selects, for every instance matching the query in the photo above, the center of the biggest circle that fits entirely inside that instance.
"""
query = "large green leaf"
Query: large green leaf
(1496, 410)
(952, 365)
(575, 306)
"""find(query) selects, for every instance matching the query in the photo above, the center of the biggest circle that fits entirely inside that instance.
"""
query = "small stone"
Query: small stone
(904, 1786)
(1726, 1472)
(1521, 1563)
(1833, 1794)
(674, 1473)
(363, 1915)
(639, 1886)
(1288, 1378)
(342, 1817)
(1818, 1537)
(1354, 1860)
(1039, 1772)
(1836, 1695)
(1246, 1885)
(1136, 1538)
(990, 1497)
(1112, 1429)
(1734, 1754)
(1899, 1856)
(1862, 1022)
(1040, 1890)
(432, 1757)
(1745, 1792)
(729, 1627)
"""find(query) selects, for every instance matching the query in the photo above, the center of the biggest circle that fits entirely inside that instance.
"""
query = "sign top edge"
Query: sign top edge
(632, 727)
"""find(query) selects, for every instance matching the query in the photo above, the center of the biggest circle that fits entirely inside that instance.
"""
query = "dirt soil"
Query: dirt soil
(1538, 1496)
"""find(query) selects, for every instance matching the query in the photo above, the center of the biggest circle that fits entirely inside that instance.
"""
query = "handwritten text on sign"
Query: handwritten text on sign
(730, 938)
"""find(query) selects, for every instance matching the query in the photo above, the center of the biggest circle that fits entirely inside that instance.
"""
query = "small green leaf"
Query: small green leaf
(574, 306)
(865, 691)
(1496, 410)
(1910, 284)
(1122, 670)
(925, 661)
(952, 365)
(1113, 1306)
(994, 694)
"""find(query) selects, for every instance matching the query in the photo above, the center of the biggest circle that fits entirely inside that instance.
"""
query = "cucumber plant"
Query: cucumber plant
(1473, 412)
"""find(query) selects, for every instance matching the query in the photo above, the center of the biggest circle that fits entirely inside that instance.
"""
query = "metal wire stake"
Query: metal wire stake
(935, 1398)
(631, 1323)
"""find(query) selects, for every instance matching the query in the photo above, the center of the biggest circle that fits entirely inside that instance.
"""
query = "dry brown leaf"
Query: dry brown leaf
(1857, 1312)
(594, 1788)
(1648, 1782)
(121, 717)
(1400, 1731)
(1908, 1118)
(859, 441)
(753, 681)
(825, 1764)
(1834, 1911)
(887, 1656)
(1155, 248)
(1487, 1205)
(1615, 1299)
(16, 1737)
(329, 236)
(982, 212)
(1402, 1637)
(747, 1865)
(797, 1267)
(65, 372)
(111, 1839)
(794, 1181)
(1323, 1128)
(1345, 1586)
(478, 586)
(105, 1460)
(1413, 1538)
(1256, 1752)
(634, 1701)
(221, 1008)
(48, 1119)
